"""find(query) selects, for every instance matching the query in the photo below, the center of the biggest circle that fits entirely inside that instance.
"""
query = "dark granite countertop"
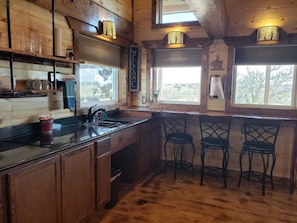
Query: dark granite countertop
(27, 147)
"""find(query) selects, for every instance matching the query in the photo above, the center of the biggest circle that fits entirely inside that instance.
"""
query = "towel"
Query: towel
(69, 94)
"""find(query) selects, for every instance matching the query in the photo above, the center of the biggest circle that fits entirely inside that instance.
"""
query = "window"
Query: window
(99, 74)
(98, 84)
(264, 85)
(179, 85)
(177, 75)
(173, 11)
(264, 77)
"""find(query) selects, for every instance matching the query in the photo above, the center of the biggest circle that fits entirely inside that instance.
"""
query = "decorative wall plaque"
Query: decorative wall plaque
(217, 63)
(134, 68)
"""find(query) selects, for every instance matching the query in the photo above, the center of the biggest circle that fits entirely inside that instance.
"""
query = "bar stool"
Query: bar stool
(175, 126)
(214, 135)
(260, 138)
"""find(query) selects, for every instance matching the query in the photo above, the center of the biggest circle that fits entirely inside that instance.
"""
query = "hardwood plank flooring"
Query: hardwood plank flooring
(160, 199)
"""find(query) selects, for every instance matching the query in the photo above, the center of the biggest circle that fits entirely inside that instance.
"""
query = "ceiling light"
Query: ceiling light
(267, 33)
(107, 28)
(175, 37)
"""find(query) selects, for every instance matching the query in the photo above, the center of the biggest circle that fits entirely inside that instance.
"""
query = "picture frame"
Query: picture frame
(134, 68)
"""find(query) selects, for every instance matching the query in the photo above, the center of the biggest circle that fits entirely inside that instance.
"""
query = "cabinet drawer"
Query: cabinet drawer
(102, 146)
(121, 139)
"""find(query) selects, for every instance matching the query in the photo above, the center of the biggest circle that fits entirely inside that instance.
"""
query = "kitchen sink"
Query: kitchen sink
(109, 123)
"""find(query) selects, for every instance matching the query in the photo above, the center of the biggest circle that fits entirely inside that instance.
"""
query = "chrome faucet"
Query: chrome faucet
(93, 115)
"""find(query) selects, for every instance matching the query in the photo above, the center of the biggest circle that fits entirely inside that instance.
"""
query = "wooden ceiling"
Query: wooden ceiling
(228, 18)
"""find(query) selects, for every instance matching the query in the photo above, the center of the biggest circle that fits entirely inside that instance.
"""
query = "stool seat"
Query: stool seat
(258, 147)
(175, 126)
(213, 142)
(179, 138)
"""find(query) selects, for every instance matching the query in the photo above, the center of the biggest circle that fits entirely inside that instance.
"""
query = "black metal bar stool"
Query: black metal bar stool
(175, 126)
(214, 135)
(260, 138)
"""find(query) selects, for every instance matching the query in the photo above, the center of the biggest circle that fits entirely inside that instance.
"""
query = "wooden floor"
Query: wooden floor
(160, 199)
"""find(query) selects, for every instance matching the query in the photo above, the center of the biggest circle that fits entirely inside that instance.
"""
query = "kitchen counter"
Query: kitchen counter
(28, 147)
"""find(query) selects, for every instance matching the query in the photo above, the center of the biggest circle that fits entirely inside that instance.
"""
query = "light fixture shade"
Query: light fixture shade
(267, 33)
(108, 29)
(216, 87)
(175, 37)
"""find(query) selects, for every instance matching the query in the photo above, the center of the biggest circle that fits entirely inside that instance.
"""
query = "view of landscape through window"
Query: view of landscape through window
(97, 83)
(265, 85)
(179, 84)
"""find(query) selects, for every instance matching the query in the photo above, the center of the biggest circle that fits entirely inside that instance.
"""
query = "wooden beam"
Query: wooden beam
(211, 15)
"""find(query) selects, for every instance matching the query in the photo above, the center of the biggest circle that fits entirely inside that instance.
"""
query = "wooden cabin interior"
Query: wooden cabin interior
(51, 43)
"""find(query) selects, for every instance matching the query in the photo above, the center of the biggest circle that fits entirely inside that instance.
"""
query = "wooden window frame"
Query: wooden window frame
(155, 25)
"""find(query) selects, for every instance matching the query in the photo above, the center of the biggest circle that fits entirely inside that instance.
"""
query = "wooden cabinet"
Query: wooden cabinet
(156, 138)
(123, 138)
(144, 144)
(3, 199)
(59, 189)
(34, 193)
(103, 172)
(78, 198)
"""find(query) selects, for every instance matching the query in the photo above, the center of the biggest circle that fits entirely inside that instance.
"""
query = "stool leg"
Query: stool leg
(224, 165)
(165, 154)
(175, 154)
(240, 165)
(251, 154)
(202, 164)
(193, 147)
(272, 168)
(265, 167)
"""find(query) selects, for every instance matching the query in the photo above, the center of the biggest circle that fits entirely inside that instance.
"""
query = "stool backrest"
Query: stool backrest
(217, 127)
(174, 123)
(261, 130)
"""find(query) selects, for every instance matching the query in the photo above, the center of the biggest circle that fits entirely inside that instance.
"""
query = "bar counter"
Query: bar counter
(194, 115)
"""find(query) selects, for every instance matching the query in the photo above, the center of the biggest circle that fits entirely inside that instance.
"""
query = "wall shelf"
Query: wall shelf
(22, 94)
(35, 55)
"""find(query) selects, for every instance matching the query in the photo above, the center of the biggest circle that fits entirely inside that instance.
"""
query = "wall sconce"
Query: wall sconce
(107, 28)
(216, 87)
(267, 33)
(175, 37)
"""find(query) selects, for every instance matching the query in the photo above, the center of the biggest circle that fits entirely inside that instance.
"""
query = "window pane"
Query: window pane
(178, 17)
(97, 84)
(250, 83)
(281, 85)
(179, 84)
(270, 85)
(174, 11)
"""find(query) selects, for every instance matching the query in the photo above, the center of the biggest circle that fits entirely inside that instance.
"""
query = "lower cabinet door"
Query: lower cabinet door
(78, 197)
(35, 193)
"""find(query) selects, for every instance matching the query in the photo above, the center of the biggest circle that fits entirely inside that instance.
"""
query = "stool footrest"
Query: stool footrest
(256, 176)
(181, 164)
(213, 171)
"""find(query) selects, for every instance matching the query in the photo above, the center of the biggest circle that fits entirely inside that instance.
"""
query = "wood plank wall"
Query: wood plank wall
(143, 32)
(27, 18)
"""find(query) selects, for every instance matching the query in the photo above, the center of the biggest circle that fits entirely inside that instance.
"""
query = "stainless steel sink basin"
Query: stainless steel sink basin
(109, 123)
